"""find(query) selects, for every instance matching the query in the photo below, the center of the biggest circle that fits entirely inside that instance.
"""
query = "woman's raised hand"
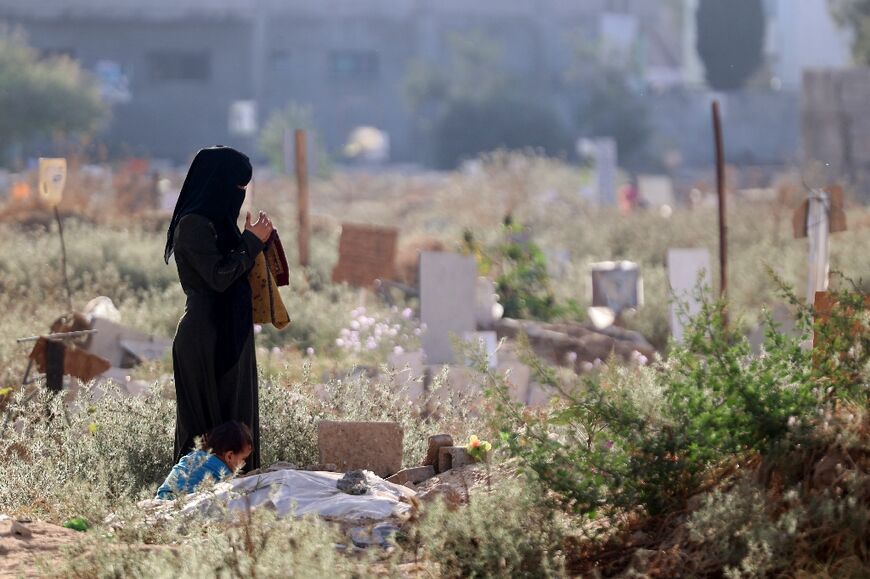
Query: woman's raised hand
(262, 228)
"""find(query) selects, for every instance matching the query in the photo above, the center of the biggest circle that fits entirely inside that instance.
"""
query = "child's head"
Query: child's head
(232, 442)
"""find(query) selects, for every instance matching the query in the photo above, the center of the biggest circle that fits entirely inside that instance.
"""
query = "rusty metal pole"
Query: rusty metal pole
(302, 194)
(720, 190)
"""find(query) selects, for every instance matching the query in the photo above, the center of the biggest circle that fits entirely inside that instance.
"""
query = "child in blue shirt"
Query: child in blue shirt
(223, 452)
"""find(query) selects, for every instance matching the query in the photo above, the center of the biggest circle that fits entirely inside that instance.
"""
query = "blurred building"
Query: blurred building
(187, 73)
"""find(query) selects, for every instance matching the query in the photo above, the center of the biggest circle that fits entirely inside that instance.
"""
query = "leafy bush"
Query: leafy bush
(509, 533)
(520, 270)
(259, 546)
(712, 402)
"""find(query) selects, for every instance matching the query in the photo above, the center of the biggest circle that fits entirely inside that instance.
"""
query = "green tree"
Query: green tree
(41, 97)
(730, 41)
(854, 15)
(610, 108)
(469, 128)
(469, 104)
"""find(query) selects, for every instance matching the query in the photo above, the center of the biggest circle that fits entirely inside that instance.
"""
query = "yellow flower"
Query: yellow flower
(92, 427)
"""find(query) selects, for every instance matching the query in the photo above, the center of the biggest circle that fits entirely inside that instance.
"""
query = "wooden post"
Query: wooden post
(720, 190)
(302, 198)
(63, 260)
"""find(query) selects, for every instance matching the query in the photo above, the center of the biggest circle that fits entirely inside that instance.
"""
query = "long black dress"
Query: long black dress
(213, 352)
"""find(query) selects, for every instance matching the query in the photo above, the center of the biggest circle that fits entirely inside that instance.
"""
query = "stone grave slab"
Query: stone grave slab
(366, 253)
(447, 302)
(685, 268)
(374, 446)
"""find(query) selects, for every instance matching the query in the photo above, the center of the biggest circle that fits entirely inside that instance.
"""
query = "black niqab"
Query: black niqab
(212, 189)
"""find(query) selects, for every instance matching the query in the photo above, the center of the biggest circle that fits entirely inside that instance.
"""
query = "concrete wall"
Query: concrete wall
(836, 128)
(760, 127)
(273, 51)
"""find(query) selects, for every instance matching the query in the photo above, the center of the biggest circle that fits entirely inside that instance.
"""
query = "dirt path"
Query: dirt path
(22, 544)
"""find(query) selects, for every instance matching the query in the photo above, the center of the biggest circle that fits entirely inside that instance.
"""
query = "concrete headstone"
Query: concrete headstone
(656, 190)
(366, 253)
(447, 302)
(685, 267)
(616, 285)
(374, 446)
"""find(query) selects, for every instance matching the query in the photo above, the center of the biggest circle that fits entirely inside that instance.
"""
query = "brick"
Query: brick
(436, 441)
(374, 446)
(450, 457)
(414, 475)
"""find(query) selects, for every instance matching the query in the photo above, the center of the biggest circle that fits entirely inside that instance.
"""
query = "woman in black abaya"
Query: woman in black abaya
(213, 351)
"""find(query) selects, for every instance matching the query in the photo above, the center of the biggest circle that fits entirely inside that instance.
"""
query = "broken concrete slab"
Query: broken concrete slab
(374, 446)
(450, 457)
(436, 442)
(415, 475)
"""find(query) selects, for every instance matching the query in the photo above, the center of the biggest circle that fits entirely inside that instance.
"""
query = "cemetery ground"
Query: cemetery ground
(709, 459)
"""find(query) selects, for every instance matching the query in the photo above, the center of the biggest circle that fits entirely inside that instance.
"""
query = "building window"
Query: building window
(353, 65)
(185, 66)
(280, 62)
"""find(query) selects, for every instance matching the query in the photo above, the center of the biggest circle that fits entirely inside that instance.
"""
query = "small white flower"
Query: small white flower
(398, 350)
(258, 328)
(587, 366)
(354, 324)
(597, 363)
(339, 342)
(572, 357)
(407, 313)
(276, 351)
(309, 351)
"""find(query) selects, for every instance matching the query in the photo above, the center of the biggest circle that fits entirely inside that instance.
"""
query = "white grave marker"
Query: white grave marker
(447, 304)
(685, 267)
(487, 341)
(657, 190)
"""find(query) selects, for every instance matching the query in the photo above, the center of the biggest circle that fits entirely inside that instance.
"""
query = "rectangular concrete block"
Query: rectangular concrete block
(374, 446)
(414, 475)
(450, 457)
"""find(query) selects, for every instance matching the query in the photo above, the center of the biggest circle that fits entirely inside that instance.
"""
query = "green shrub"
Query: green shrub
(710, 403)
(509, 533)
(259, 546)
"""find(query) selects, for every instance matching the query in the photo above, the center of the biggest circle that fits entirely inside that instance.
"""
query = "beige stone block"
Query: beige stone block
(374, 446)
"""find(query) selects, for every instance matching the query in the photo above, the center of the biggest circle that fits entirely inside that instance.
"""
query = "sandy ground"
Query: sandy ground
(19, 553)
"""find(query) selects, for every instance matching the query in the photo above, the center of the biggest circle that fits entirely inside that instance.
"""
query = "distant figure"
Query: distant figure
(629, 197)
(213, 351)
(223, 452)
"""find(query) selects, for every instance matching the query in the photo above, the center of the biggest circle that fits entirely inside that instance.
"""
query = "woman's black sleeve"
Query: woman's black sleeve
(196, 241)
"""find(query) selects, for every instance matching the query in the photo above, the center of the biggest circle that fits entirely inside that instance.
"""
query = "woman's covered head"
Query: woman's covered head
(215, 189)
(232, 442)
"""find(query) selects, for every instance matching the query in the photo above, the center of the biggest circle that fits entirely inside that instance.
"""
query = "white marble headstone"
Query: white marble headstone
(447, 302)
(685, 267)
